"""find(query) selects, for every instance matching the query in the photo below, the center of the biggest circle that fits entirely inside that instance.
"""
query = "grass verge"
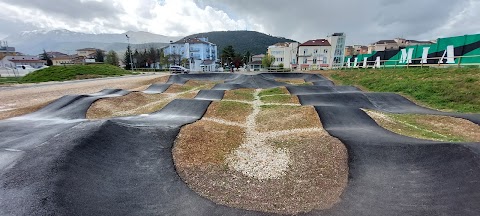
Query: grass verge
(456, 89)
(441, 128)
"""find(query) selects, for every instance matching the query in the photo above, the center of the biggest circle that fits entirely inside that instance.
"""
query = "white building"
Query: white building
(284, 53)
(14, 61)
(201, 54)
(314, 54)
(322, 53)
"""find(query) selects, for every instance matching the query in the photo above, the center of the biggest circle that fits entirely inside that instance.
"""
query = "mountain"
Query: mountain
(34, 42)
(242, 41)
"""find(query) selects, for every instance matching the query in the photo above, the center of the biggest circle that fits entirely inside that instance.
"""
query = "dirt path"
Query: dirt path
(25, 98)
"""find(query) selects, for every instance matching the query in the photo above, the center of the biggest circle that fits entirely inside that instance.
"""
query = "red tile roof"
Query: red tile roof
(317, 42)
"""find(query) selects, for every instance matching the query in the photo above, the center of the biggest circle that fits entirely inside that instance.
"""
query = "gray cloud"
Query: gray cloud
(364, 21)
(71, 9)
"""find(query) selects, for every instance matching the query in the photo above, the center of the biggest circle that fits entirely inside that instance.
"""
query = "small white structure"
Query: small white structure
(14, 61)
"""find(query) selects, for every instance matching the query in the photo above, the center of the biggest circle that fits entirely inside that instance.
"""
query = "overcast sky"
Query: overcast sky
(363, 21)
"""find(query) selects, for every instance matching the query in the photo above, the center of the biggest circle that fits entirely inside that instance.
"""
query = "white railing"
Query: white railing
(397, 64)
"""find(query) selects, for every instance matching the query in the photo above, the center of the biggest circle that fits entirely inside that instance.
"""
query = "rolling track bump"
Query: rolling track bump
(55, 162)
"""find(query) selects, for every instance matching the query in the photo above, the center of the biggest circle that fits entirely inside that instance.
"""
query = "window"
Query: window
(305, 51)
(314, 61)
(325, 51)
(305, 61)
(316, 51)
(294, 61)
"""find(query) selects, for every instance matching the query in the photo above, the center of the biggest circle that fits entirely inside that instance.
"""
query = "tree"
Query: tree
(99, 55)
(127, 59)
(47, 58)
(112, 58)
(163, 58)
(268, 60)
(228, 53)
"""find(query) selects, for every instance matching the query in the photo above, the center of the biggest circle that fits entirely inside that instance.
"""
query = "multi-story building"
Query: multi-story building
(337, 54)
(285, 54)
(314, 54)
(200, 54)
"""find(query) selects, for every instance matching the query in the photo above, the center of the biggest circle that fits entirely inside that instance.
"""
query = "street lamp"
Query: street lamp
(130, 52)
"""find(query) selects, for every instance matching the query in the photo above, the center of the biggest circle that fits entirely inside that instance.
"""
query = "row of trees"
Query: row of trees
(229, 57)
(145, 58)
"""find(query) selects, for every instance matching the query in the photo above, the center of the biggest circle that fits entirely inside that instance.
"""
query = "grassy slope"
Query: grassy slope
(456, 89)
(62, 73)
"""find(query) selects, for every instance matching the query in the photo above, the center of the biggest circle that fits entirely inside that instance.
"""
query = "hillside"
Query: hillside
(242, 41)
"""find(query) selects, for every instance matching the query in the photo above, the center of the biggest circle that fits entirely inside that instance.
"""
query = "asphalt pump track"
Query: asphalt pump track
(56, 162)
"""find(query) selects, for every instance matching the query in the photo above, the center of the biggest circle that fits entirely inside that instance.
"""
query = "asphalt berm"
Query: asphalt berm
(56, 162)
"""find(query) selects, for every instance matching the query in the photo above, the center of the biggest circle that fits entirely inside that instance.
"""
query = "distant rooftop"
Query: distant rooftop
(317, 42)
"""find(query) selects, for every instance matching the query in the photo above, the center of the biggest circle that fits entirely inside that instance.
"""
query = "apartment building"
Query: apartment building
(285, 54)
(201, 54)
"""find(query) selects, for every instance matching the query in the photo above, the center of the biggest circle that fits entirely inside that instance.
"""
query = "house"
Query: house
(86, 52)
(62, 60)
(194, 50)
(395, 44)
(256, 63)
(356, 50)
(285, 54)
(13, 61)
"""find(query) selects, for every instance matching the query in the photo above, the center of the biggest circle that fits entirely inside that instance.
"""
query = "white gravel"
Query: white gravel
(255, 158)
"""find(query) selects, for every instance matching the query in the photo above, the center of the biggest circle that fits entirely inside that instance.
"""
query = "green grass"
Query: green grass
(9, 80)
(272, 91)
(73, 72)
(277, 99)
(456, 89)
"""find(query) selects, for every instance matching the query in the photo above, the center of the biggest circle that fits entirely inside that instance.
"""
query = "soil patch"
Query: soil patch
(126, 105)
(316, 178)
(278, 118)
(21, 111)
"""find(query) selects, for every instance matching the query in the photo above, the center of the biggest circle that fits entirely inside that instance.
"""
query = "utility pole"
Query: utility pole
(130, 53)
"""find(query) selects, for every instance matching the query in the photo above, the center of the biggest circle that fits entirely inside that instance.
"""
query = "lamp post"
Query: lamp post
(130, 53)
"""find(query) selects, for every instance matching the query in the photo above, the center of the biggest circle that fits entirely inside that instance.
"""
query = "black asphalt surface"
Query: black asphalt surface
(55, 162)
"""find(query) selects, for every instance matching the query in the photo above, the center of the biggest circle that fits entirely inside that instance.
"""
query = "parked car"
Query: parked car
(179, 69)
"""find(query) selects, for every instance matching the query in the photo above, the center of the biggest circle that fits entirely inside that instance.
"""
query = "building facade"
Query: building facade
(195, 51)
(314, 54)
(14, 61)
(336, 58)
(285, 54)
